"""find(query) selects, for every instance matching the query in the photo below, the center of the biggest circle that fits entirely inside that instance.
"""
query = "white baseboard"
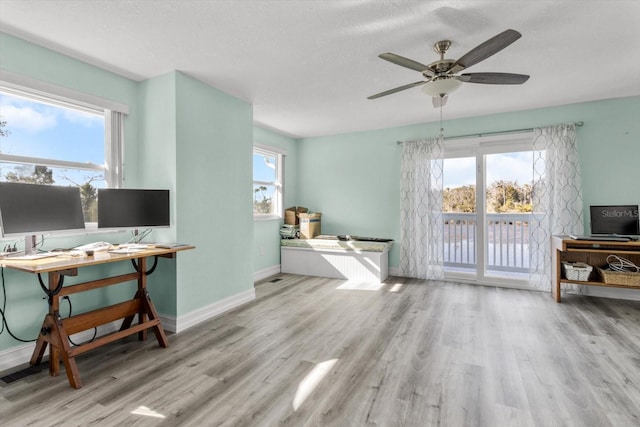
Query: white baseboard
(184, 322)
(267, 272)
(20, 355)
(394, 271)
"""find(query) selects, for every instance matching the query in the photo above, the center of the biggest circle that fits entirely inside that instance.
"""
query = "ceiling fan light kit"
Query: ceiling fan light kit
(441, 86)
(441, 77)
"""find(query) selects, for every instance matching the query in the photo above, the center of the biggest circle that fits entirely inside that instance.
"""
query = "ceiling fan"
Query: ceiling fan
(441, 76)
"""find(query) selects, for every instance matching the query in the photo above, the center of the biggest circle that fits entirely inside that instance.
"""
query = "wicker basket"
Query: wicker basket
(620, 278)
(578, 271)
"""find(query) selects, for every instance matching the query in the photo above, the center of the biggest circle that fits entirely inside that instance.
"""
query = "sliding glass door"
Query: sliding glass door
(459, 214)
(508, 204)
(487, 209)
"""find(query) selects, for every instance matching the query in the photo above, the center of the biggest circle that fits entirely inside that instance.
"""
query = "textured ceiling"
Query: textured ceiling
(308, 66)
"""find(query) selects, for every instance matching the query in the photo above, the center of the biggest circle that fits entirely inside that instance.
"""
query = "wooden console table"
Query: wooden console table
(55, 330)
(591, 252)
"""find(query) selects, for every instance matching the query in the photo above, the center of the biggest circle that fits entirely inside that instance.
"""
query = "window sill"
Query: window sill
(266, 217)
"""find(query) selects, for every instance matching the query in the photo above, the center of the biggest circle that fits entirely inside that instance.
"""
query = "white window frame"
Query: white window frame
(59, 96)
(279, 154)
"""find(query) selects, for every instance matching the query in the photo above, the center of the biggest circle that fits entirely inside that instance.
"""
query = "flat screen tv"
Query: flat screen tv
(615, 219)
(132, 208)
(31, 209)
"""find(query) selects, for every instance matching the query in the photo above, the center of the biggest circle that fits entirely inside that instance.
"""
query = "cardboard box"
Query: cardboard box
(309, 225)
(291, 214)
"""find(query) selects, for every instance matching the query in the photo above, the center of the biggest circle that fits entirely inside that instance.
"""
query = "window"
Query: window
(267, 182)
(50, 139)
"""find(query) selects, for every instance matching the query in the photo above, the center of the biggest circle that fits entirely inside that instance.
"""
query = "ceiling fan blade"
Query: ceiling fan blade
(485, 50)
(439, 101)
(397, 89)
(407, 63)
(494, 78)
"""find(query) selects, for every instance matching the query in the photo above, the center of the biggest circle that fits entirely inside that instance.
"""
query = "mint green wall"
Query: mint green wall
(354, 179)
(156, 168)
(25, 307)
(197, 141)
(266, 233)
(30, 60)
(182, 135)
(214, 143)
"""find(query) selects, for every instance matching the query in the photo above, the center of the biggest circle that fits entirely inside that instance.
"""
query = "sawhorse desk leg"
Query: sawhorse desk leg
(54, 334)
(55, 330)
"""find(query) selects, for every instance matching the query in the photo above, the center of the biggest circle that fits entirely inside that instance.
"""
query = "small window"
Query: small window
(267, 183)
(47, 140)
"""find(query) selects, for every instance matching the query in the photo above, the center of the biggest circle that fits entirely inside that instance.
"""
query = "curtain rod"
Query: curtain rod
(502, 132)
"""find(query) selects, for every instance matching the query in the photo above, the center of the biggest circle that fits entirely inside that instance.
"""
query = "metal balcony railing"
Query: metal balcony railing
(507, 237)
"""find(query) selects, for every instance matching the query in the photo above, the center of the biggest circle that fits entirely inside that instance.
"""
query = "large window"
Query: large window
(48, 139)
(267, 182)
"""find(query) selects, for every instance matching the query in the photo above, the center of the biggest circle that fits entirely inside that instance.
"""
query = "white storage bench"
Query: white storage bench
(352, 260)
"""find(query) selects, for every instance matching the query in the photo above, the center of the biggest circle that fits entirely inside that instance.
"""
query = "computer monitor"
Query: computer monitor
(133, 208)
(31, 209)
(615, 219)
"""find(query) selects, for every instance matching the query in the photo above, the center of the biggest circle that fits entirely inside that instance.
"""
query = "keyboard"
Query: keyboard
(134, 246)
(95, 246)
(125, 250)
(33, 256)
(169, 245)
(602, 238)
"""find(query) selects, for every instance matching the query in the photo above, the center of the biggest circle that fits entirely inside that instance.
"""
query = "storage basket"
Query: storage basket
(577, 271)
(619, 278)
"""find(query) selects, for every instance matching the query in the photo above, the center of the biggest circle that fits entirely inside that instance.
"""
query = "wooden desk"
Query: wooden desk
(55, 331)
(591, 252)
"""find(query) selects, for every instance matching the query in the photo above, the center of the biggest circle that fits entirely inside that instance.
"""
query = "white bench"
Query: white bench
(351, 260)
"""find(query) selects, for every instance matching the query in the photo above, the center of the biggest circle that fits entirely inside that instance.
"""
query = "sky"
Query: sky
(42, 130)
(263, 170)
(505, 166)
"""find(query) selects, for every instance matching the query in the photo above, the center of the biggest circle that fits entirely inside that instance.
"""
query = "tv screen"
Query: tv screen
(615, 219)
(34, 209)
(132, 208)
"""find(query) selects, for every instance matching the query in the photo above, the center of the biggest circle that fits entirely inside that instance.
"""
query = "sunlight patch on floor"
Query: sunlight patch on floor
(353, 285)
(311, 381)
(396, 287)
(143, 410)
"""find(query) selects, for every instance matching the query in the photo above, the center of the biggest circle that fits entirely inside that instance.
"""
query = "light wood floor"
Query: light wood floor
(413, 353)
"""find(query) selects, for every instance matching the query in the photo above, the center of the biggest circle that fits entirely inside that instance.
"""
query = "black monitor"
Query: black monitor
(30, 209)
(132, 208)
(615, 219)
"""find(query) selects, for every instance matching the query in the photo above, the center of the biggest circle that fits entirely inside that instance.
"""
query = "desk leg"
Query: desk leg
(45, 338)
(153, 314)
(54, 334)
(147, 309)
(142, 291)
(63, 349)
(38, 352)
(555, 286)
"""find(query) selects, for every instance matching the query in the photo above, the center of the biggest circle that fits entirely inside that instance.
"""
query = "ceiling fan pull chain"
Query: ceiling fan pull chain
(441, 128)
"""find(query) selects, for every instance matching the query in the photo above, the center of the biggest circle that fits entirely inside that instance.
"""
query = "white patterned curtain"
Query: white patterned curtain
(421, 223)
(557, 197)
